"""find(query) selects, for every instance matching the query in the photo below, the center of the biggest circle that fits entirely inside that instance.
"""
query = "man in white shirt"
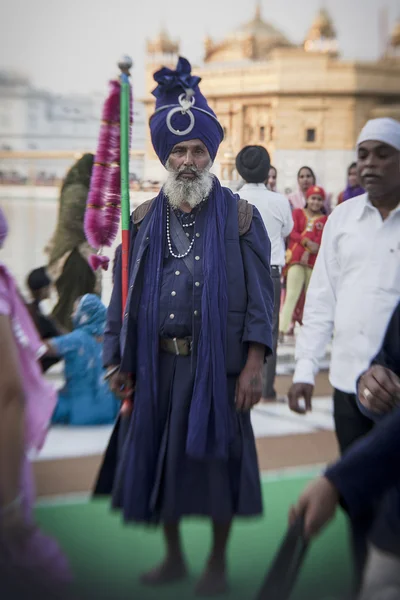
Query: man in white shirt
(253, 164)
(353, 292)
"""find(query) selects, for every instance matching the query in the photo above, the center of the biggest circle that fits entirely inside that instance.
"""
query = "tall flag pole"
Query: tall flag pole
(125, 112)
(126, 117)
(108, 202)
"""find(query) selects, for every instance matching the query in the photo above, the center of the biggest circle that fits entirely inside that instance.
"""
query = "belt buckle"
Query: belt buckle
(176, 346)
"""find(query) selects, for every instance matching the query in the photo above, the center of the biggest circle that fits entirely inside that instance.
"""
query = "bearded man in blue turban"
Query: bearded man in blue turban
(192, 341)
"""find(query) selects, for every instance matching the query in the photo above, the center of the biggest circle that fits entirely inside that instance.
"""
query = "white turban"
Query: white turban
(381, 130)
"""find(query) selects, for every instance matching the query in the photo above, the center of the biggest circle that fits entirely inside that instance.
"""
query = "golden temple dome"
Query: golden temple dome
(395, 37)
(322, 27)
(253, 40)
(322, 35)
(162, 44)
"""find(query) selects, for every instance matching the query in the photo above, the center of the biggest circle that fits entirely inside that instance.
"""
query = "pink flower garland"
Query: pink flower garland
(103, 208)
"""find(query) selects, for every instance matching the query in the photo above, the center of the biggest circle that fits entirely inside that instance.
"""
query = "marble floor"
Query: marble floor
(272, 420)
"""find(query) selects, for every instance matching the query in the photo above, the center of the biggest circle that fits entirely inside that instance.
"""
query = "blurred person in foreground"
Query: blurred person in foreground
(252, 164)
(369, 469)
(68, 250)
(86, 398)
(26, 404)
(39, 284)
(353, 291)
(195, 334)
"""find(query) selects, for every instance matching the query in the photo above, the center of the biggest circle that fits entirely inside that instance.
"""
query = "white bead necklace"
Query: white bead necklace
(170, 243)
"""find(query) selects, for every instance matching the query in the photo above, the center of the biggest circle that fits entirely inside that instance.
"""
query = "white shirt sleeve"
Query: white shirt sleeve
(287, 219)
(319, 309)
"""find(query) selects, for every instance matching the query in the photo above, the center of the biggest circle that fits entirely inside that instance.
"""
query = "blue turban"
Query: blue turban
(182, 112)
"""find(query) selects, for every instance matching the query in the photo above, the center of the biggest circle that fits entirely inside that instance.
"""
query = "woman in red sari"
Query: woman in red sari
(304, 242)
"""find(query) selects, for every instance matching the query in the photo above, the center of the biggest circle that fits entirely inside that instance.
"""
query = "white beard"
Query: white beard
(183, 191)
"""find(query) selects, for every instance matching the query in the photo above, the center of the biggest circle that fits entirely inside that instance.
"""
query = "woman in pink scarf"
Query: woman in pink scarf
(27, 402)
(306, 178)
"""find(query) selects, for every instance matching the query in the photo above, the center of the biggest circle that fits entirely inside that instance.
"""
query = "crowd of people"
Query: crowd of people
(195, 348)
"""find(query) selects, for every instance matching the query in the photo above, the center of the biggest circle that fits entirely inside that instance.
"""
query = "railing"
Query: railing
(48, 168)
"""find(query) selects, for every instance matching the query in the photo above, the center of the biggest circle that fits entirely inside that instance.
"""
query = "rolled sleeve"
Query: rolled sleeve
(305, 372)
(256, 254)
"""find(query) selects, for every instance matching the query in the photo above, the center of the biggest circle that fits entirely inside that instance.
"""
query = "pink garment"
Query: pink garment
(40, 395)
(41, 556)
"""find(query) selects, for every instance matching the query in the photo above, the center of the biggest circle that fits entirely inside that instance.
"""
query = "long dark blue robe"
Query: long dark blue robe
(183, 486)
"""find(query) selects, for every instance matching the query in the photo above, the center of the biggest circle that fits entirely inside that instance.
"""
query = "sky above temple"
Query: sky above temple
(73, 46)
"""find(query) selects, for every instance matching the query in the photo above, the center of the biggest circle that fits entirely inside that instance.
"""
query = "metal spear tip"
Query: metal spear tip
(125, 64)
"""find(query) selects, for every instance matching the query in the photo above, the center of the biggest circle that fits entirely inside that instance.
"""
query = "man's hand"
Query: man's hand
(379, 389)
(317, 505)
(122, 385)
(249, 384)
(298, 391)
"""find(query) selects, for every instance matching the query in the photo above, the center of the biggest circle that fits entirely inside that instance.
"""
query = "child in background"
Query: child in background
(304, 242)
(86, 398)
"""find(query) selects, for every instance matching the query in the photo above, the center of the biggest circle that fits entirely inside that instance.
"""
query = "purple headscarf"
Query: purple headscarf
(174, 120)
(3, 228)
(352, 192)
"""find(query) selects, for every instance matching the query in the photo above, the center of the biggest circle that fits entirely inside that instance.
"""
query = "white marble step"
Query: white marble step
(269, 420)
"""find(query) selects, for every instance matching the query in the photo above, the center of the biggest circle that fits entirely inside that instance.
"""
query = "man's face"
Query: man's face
(189, 181)
(378, 167)
(188, 157)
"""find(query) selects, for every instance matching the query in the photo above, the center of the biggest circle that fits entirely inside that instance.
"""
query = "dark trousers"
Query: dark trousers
(351, 425)
(268, 390)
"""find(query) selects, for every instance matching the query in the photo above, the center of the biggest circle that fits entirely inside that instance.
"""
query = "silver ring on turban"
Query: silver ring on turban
(366, 393)
(189, 113)
(186, 101)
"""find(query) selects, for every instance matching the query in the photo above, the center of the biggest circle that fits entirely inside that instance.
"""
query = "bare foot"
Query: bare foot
(213, 582)
(169, 571)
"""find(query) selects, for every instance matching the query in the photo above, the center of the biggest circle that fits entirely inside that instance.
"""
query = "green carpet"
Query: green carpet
(101, 550)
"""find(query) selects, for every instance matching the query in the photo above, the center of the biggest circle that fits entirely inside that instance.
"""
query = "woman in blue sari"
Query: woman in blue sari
(86, 398)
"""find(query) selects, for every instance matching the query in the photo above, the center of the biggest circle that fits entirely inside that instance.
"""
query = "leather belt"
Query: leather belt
(178, 346)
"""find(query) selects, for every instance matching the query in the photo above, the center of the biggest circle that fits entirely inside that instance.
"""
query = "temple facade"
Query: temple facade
(303, 103)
